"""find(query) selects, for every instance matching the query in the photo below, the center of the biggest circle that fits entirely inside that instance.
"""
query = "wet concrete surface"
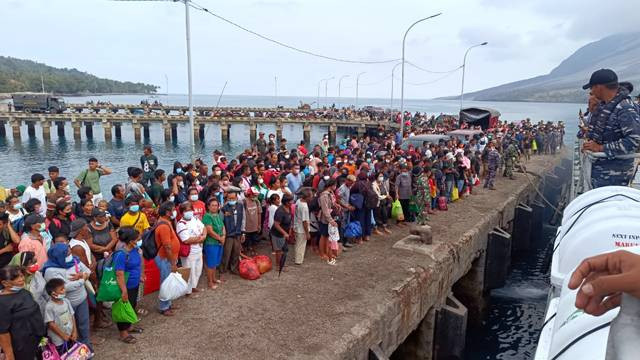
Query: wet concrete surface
(318, 311)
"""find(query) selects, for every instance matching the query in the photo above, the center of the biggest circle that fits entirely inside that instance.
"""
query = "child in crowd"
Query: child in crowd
(103, 205)
(58, 315)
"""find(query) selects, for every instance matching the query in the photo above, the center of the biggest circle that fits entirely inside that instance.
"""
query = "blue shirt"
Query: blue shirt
(116, 208)
(129, 262)
(295, 182)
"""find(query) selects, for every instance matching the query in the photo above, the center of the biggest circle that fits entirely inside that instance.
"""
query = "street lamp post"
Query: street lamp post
(191, 121)
(392, 79)
(326, 88)
(464, 66)
(404, 39)
(357, 86)
(340, 87)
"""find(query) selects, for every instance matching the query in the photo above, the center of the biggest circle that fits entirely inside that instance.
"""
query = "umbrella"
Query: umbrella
(283, 258)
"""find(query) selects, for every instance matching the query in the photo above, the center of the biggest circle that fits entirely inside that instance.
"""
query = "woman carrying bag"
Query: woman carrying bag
(128, 261)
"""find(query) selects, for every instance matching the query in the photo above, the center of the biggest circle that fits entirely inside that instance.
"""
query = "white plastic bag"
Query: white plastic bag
(173, 287)
(36, 288)
(334, 233)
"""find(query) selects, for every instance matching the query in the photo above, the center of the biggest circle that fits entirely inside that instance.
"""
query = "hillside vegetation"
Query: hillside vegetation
(25, 75)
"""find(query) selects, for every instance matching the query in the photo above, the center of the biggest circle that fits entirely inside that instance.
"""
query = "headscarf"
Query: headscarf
(57, 255)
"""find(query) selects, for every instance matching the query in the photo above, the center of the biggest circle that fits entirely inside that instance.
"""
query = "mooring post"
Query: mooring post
(224, 131)
(3, 131)
(333, 133)
(31, 128)
(253, 129)
(88, 129)
(106, 126)
(60, 128)
(201, 128)
(306, 133)
(76, 125)
(196, 131)
(46, 128)
(15, 128)
(279, 130)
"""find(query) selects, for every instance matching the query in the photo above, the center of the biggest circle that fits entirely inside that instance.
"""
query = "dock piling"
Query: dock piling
(333, 133)
(76, 125)
(136, 131)
(306, 133)
(224, 131)
(174, 132)
(253, 130)
(31, 128)
(60, 128)
(166, 128)
(46, 128)
(88, 129)
(145, 130)
(201, 132)
(118, 131)
(279, 131)
(106, 126)
(3, 131)
(15, 128)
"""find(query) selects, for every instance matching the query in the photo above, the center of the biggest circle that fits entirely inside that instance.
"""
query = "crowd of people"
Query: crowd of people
(60, 234)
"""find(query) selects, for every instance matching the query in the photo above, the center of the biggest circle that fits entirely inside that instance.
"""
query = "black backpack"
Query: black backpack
(149, 246)
(370, 198)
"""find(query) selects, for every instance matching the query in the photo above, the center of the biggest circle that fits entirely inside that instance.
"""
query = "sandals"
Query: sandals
(136, 330)
(129, 340)
(142, 311)
(167, 312)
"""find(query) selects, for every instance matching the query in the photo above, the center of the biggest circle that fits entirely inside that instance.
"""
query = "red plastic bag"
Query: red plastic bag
(249, 269)
(263, 262)
(442, 203)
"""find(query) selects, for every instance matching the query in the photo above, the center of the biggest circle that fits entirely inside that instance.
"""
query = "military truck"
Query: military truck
(38, 103)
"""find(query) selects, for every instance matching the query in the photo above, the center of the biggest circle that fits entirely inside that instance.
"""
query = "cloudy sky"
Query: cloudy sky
(144, 40)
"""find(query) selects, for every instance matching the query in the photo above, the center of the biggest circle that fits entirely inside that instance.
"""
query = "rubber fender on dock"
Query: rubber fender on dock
(497, 259)
(522, 228)
(450, 330)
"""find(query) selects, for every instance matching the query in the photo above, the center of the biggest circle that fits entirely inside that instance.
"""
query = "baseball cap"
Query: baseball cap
(601, 77)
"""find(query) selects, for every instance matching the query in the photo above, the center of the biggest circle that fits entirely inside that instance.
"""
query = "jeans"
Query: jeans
(449, 189)
(81, 313)
(164, 266)
(460, 185)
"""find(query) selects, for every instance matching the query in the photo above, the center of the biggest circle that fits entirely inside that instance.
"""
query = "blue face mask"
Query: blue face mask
(134, 208)
(231, 202)
(188, 215)
(15, 289)
(139, 243)
(179, 171)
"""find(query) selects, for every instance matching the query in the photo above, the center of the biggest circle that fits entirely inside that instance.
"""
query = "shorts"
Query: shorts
(277, 242)
(212, 255)
(323, 229)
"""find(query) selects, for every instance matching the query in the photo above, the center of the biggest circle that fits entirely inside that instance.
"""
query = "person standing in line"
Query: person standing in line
(403, 188)
(233, 218)
(49, 185)
(326, 202)
(116, 204)
(280, 231)
(149, 164)
(58, 315)
(261, 143)
(493, 162)
(168, 249)
(251, 221)
(301, 225)
(212, 248)
(295, 179)
(36, 191)
(91, 177)
(191, 232)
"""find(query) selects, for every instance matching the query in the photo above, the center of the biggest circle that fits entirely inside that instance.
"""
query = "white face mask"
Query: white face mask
(188, 215)
(174, 214)
(260, 181)
(193, 197)
(380, 179)
(326, 178)
(181, 184)
(217, 172)
(172, 198)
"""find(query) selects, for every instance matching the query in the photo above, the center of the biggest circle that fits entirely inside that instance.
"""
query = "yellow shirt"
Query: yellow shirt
(129, 220)
(3, 193)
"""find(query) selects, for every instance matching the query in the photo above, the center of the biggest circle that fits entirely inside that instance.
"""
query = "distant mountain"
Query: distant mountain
(25, 75)
(619, 52)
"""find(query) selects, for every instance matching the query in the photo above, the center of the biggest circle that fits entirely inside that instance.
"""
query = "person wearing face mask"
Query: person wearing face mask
(32, 240)
(61, 189)
(14, 209)
(381, 188)
(191, 232)
(168, 249)
(157, 188)
(178, 189)
(295, 179)
(134, 217)
(103, 236)
(21, 322)
(58, 316)
(61, 220)
(63, 265)
(197, 206)
(127, 260)
(233, 218)
(33, 280)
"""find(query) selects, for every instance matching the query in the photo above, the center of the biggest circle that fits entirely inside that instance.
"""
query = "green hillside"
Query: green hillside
(25, 75)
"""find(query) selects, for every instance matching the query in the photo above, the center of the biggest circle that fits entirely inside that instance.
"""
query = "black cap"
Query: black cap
(602, 77)
(36, 177)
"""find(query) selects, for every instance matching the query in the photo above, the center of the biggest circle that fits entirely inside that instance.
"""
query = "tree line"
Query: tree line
(18, 75)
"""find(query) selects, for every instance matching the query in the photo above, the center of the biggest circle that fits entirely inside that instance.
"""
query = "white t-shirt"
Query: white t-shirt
(301, 215)
(272, 214)
(40, 194)
(188, 229)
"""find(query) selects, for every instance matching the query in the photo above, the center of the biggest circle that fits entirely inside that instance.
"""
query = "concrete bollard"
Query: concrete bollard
(450, 330)
(522, 221)
(498, 259)
(423, 232)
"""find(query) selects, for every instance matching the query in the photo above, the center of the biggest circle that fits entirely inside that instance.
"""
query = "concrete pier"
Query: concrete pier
(77, 127)
(224, 131)
(166, 129)
(384, 299)
(278, 131)
(253, 132)
(136, 131)
(145, 131)
(106, 127)
(31, 128)
(118, 127)
(46, 128)
(60, 128)
(88, 129)
(174, 132)
(306, 134)
(3, 130)
(15, 128)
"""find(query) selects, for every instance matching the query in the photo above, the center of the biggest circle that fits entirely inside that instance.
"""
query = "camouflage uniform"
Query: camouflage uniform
(616, 125)
(510, 157)
(493, 161)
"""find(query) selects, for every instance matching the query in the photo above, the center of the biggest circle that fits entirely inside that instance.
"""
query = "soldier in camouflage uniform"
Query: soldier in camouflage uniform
(510, 158)
(614, 129)
(493, 162)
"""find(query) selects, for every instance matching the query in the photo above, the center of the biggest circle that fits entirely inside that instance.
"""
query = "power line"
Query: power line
(431, 71)
(291, 47)
(376, 82)
(431, 81)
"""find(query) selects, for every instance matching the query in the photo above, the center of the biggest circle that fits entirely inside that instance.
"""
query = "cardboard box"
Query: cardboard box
(185, 272)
